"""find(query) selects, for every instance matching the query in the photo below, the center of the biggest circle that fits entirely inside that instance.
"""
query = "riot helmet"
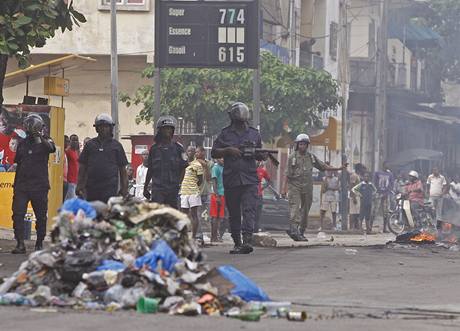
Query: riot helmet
(33, 123)
(103, 119)
(302, 137)
(239, 112)
(166, 120)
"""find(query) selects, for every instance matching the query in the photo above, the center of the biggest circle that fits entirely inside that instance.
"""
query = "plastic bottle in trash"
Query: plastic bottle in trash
(13, 299)
(95, 279)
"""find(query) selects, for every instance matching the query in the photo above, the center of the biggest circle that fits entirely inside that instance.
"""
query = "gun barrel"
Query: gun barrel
(270, 151)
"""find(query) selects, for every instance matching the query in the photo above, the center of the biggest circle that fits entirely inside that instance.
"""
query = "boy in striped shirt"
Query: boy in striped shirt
(190, 198)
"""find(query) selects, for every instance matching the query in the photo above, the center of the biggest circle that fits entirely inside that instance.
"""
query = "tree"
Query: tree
(203, 95)
(443, 17)
(29, 23)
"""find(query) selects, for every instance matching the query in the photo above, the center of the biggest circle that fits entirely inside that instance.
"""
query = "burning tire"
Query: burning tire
(397, 224)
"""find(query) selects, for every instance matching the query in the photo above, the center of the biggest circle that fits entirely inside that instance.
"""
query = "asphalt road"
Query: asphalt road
(378, 288)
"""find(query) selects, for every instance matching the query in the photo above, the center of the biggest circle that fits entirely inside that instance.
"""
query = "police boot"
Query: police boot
(302, 234)
(293, 232)
(38, 245)
(20, 248)
(237, 241)
(247, 244)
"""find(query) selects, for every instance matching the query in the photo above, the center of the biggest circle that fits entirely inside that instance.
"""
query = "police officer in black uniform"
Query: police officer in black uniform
(31, 182)
(240, 175)
(166, 165)
(102, 173)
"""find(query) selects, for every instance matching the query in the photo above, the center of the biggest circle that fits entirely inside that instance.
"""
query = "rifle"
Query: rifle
(249, 150)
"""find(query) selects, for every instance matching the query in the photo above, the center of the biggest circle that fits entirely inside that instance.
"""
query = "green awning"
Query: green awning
(413, 35)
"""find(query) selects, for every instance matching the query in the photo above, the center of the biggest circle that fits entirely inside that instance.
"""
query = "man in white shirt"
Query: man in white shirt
(437, 187)
(141, 173)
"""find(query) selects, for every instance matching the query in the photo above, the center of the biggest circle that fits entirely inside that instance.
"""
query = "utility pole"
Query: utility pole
(344, 78)
(292, 33)
(114, 68)
(379, 143)
(256, 81)
(156, 109)
(157, 106)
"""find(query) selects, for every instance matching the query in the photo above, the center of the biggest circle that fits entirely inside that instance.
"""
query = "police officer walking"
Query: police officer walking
(31, 182)
(166, 165)
(300, 185)
(240, 175)
(102, 173)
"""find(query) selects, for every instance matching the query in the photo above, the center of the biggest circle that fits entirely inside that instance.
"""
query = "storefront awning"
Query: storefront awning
(48, 68)
(446, 119)
(413, 35)
(414, 154)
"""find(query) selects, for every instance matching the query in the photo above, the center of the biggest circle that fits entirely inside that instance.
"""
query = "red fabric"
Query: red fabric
(213, 207)
(72, 161)
(66, 169)
(416, 196)
(8, 156)
(261, 174)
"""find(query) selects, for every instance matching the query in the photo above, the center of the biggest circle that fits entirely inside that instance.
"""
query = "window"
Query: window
(134, 5)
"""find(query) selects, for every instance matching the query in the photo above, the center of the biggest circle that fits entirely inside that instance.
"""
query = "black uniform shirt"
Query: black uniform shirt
(242, 170)
(32, 165)
(166, 163)
(103, 160)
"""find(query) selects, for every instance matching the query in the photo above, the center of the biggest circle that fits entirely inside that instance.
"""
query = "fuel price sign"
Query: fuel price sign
(212, 34)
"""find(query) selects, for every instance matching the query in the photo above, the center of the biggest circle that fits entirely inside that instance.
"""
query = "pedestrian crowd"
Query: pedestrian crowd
(229, 187)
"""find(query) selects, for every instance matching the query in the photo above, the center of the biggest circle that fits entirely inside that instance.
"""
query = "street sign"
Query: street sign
(213, 34)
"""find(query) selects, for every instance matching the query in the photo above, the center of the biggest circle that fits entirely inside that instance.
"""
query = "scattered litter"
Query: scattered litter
(351, 251)
(321, 235)
(132, 255)
(44, 310)
(455, 248)
(264, 239)
(298, 316)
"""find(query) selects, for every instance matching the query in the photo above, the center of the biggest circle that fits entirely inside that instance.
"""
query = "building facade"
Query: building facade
(90, 85)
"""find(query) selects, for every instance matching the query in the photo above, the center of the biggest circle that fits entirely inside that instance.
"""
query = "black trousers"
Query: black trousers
(241, 201)
(259, 208)
(104, 196)
(365, 213)
(39, 201)
(166, 197)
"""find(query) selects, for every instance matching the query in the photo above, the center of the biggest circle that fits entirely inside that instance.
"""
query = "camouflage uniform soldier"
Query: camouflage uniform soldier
(300, 185)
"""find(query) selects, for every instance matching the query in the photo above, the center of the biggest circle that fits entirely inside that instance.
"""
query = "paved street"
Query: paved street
(377, 288)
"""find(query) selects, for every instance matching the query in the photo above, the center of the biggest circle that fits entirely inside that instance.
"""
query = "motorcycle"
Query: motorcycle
(402, 220)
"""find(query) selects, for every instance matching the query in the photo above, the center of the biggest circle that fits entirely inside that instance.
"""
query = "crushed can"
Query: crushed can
(299, 316)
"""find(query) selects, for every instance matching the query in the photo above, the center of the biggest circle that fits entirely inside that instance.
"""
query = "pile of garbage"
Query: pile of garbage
(132, 255)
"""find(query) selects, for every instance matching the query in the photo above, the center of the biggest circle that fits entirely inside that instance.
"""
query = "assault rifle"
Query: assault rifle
(248, 149)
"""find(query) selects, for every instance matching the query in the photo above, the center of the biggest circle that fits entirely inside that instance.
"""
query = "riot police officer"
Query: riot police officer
(102, 173)
(31, 182)
(166, 165)
(240, 175)
(300, 185)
